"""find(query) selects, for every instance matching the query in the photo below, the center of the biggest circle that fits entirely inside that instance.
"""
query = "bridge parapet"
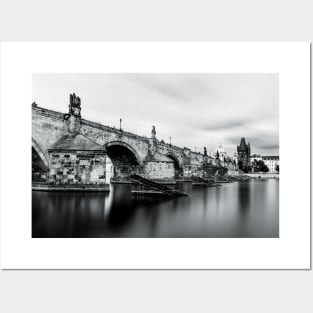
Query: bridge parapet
(96, 125)
(47, 113)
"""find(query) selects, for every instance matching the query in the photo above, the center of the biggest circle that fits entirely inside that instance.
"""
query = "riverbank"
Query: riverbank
(263, 175)
(66, 188)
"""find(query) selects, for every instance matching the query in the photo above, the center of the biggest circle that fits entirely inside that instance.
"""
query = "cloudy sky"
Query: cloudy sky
(196, 110)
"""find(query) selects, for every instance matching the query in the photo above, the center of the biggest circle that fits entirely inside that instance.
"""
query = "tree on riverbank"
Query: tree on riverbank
(259, 166)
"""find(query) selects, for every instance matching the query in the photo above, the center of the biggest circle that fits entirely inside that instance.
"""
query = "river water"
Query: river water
(240, 209)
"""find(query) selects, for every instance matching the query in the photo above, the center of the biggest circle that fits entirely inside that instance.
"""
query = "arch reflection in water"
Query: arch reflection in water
(233, 210)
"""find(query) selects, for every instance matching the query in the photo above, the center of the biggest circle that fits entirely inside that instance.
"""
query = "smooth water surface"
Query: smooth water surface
(240, 209)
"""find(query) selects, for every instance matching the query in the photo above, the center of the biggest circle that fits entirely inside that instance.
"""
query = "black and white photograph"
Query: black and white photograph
(155, 155)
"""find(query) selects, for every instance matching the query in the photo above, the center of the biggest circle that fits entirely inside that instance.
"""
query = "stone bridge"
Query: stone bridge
(70, 149)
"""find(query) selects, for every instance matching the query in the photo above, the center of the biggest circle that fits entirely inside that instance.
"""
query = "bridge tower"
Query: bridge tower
(243, 155)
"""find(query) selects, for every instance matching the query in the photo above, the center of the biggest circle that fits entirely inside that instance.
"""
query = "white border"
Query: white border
(290, 251)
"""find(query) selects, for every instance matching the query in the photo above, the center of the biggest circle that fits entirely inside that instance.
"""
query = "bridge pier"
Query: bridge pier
(76, 160)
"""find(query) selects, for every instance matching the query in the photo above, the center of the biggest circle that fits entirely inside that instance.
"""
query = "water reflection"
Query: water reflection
(232, 210)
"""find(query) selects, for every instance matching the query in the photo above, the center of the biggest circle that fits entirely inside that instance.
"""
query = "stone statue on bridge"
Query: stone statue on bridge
(205, 153)
(153, 132)
(74, 106)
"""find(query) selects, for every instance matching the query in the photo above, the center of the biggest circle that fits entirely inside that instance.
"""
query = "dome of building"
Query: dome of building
(221, 149)
(220, 152)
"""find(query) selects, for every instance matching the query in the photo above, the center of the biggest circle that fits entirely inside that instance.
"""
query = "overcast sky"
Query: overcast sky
(196, 110)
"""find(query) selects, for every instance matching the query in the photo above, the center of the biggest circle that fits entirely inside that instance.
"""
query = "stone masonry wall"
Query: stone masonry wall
(124, 169)
(159, 170)
(79, 167)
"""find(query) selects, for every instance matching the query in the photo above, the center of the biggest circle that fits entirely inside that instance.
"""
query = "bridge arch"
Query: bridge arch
(39, 151)
(177, 166)
(125, 159)
(40, 164)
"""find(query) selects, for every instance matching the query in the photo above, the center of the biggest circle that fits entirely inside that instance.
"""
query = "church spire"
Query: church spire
(243, 142)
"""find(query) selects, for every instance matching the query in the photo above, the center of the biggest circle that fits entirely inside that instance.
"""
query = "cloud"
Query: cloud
(196, 109)
(226, 124)
(163, 88)
(258, 142)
